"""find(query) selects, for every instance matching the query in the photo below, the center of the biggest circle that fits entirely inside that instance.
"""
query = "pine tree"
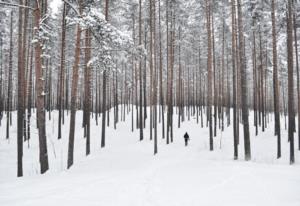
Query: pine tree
(244, 85)
(291, 113)
(62, 71)
(40, 100)
(209, 72)
(74, 93)
(235, 122)
(275, 82)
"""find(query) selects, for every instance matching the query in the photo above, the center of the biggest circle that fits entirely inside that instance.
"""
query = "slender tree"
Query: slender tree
(235, 122)
(104, 85)
(140, 75)
(209, 71)
(62, 71)
(20, 113)
(243, 69)
(291, 114)
(40, 93)
(74, 93)
(297, 70)
(275, 82)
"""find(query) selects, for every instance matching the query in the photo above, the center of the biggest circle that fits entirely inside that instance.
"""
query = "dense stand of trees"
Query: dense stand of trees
(150, 54)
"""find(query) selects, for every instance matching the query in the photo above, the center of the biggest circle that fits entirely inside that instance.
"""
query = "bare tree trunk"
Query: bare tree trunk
(155, 81)
(168, 71)
(29, 90)
(222, 85)
(74, 94)
(209, 68)
(62, 71)
(291, 113)
(87, 89)
(104, 107)
(24, 65)
(1, 81)
(262, 93)
(244, 95)
(9, 86)
(215, 93)
(161, 76)
(275, 83)
(40, 100)
(235, 122)
(141, 120)
(20, 93)
(297, 70)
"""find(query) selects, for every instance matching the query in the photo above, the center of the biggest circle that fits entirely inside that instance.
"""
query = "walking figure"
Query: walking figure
(186, 138)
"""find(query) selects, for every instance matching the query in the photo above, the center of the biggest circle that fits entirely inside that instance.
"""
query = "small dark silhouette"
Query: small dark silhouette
(186, 138)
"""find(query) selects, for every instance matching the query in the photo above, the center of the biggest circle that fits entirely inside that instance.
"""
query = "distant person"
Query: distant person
(186, 138)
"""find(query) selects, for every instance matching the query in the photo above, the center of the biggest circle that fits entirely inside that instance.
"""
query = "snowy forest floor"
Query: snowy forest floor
(126, 172)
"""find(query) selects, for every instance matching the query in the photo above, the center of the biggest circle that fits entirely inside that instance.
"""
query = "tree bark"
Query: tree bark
(275, 82)
(235, 122)
(40, 100)
(291, 114)
(244, 95)
(74, 95)
(62, 71)
(209, 68)
(20, 112)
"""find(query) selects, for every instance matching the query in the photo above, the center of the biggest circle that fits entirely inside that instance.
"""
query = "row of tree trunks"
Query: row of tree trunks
(187, 93)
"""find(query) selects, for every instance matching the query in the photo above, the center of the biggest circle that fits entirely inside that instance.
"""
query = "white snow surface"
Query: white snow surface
(126, 172)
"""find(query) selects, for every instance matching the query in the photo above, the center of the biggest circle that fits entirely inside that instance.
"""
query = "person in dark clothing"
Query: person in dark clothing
(186, 138)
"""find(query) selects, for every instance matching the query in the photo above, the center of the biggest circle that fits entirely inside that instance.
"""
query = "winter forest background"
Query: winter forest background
(96, 96)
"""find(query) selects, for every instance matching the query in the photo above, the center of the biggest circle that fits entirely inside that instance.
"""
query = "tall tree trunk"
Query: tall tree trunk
(24, 64)
(215, 92)
(291, 114)
(29, 90)
(297, 70)
(74, 95)
(244, 95)
(87, 88)
(104, 107)
(21, 73)
(235, 122)
(62, 71)
(255, 95)
(275, 82)
(141, 120)
(161, 76)
(155, 79)
(9, 85)
(1, 81)
(40, 100)
(209, 72)
(262, 93)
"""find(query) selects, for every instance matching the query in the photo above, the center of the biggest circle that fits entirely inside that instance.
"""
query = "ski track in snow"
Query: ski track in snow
(126, 172)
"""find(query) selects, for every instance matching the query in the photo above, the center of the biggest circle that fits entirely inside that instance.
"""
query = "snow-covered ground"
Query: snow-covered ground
(126, 172)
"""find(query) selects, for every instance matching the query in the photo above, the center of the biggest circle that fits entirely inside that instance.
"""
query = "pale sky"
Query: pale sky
(54, 5)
